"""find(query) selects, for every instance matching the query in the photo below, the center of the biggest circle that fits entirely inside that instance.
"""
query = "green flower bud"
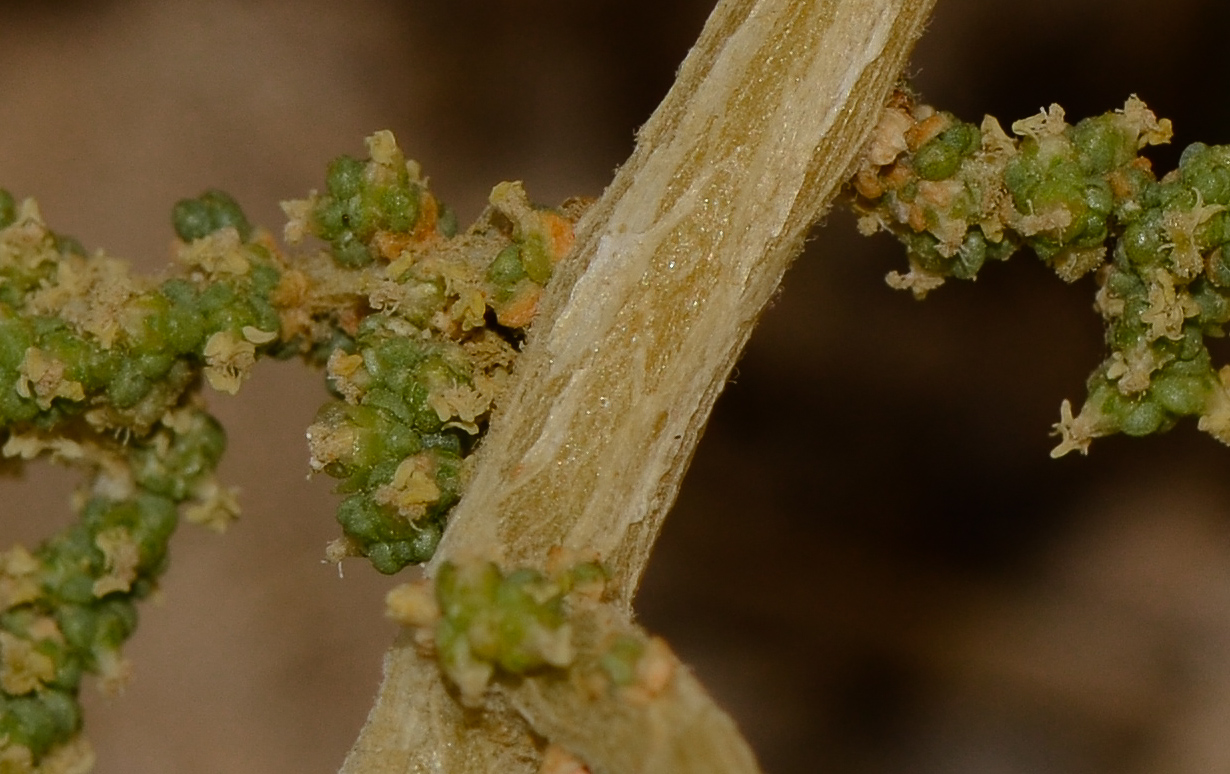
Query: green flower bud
(506, 268)
(39, 722)
(1214, 306)
(399, 206)
(1144, 241)
(1180, 395)
(1103, 144)
(940, 157)
(209, 212)
(128, 386)
(536, 259)
(345, 177)
(350, 252)
(116, 620)
(1145, 418)
(1206, 170)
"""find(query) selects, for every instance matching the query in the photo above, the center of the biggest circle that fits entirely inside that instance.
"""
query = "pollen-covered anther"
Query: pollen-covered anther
(383, 148)
(1055, 219)
(469, 309)
(509, 198)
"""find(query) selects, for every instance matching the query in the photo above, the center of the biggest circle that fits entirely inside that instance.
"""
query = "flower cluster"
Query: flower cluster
(417, 327)
(485, 624)
(423, 325)
(99, 370)
(1084, 200)
(480, 620)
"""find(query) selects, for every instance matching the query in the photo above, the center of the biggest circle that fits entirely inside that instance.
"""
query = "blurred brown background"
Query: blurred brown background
(874, 564)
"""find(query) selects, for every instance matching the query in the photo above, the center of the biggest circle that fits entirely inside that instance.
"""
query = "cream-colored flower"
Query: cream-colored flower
(1148, 128)
(298, 218)
(459, 400)
(1216, 418)
(917, 280)
(18, 577)
(41, 377)
(213, 506)
(1075, 433)
(1181, 229)
(1168, 308)
(114, 671)
(382, 147)
(1046, 123)
(228, 360)
(219, 252)
(1133, 368)
(413, 487)
(122, 556)
(347, 374)
(22, 668)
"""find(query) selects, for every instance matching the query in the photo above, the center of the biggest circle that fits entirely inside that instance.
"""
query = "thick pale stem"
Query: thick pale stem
(641, 328)
(672, 268)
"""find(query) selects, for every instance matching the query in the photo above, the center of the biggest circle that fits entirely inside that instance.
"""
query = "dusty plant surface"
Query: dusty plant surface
(828, 624)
